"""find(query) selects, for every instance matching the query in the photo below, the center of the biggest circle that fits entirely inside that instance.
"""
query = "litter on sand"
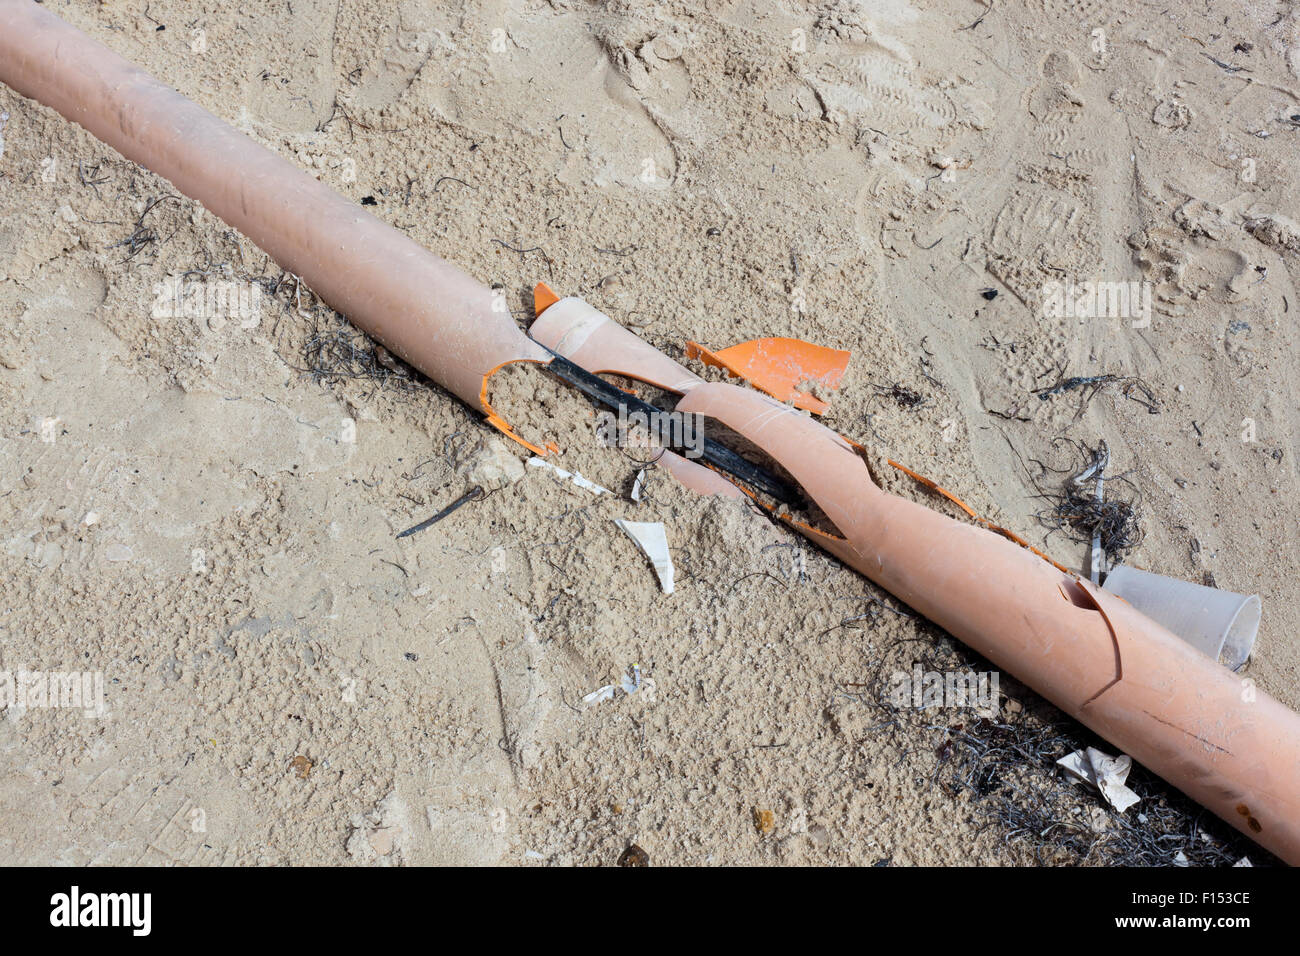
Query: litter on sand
(653, 542)
(600, 695)
(1097, 470)
(577, 479)
(632, 682)
(1104, 772)
(781, 367)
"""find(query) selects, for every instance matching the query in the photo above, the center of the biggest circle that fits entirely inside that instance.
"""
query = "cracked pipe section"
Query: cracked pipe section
(1175, 710)
(1150, 693)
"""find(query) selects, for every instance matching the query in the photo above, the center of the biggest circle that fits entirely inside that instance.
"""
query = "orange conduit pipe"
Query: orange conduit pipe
(1173, 709)
(1176, 711)
(421, 307)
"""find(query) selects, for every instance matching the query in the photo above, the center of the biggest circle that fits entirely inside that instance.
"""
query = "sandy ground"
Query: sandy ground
(189, 512)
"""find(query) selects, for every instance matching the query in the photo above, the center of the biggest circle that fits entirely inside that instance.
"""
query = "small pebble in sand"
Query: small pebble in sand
(634, 856)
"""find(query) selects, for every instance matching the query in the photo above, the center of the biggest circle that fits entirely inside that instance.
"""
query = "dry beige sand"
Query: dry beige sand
(187, 512)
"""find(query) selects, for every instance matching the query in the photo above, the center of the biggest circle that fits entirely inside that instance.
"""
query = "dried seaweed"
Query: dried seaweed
(1076, 511)
(338, 351)
(1004, 766)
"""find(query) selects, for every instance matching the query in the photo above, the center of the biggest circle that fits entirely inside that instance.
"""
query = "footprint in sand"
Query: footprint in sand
(863, 67)
(600, 121)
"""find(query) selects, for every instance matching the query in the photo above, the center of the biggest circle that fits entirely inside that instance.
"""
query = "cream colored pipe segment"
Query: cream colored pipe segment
(421, 307)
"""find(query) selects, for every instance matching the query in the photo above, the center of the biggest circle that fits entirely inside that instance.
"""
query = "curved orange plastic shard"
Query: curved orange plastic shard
(543, 298)
(780, 367)
(503, 426)
(970, 512)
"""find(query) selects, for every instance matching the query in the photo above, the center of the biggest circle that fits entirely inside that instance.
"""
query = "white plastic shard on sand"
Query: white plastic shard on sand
(653, 542)
(1104, 772)
(577, 479)
(632, 682)
(599, 695)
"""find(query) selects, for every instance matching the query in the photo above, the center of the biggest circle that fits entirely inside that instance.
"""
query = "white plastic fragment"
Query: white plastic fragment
(638, 485)
(577, 479)
(1098, 555)
(1104, 772)
(600, 695)
(1078, 766)
(653, 542)
(632, 682)
(1244, 861)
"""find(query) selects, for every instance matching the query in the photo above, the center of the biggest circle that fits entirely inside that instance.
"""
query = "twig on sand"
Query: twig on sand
(474, 494)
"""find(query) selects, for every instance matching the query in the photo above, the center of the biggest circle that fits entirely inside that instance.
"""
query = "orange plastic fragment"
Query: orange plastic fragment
(543, 298)
(779, 366)
(503, 426)
(1009, 535)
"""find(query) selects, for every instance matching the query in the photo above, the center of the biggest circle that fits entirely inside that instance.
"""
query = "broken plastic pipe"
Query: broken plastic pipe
(422, 308)
(712, 452)
(1151, 694)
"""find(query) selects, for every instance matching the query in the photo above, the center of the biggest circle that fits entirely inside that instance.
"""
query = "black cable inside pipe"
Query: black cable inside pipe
(718, 455)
